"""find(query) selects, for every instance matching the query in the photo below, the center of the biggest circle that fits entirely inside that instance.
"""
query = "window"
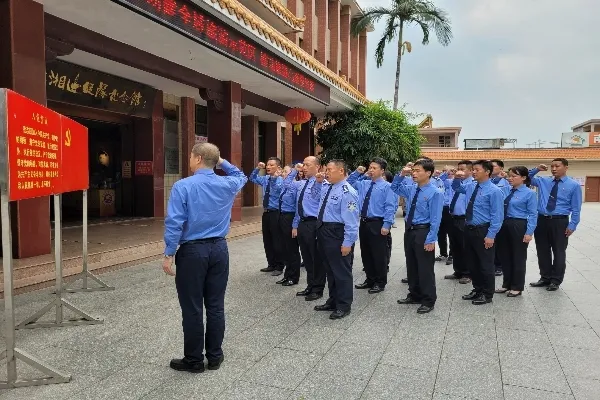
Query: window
(300, 42)
(171, 141)
(444, 141)
(201, 120)
(283, 145)
(261, 141)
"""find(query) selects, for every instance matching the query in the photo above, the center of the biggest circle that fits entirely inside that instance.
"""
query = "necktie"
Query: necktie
(469, 213)
(267, 194)
(365, 207)
(413, 205)
(300, 206)
(281, 198)
(453, 202)
(551, 206)
(322, 210)
(507, 201)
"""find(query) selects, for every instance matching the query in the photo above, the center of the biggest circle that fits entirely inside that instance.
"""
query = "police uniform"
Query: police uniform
(457, 209)
(557, 200)
(308, 192)
(505, 187)
(291, 250)
(338, 227)
(483, 216)
(272, 187)
(377, 205)
(198, 219)
(422, 222)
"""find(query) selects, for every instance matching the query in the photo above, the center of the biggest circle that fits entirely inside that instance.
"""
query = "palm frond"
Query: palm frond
(389, 34)
(425, 29)
(436, 18)
(362, 21)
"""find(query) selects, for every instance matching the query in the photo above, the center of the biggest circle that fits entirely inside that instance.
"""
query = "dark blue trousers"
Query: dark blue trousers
(201, 279)
(338, 267)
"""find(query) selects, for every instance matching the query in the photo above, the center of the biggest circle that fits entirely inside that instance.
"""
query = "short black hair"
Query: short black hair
(564, 161)
(276, 159)
(521, 171)
(427, 165)
(486, 165)
(382, 163)
(499, 163)
(340, 164)
(389, 176)
(468, 163)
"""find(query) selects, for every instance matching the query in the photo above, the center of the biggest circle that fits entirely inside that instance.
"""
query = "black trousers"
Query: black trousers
(480, 261)
(444, 233)
(513, 253)
(201, 280)
(389, 250)
(291, 249)
(419, 266)
(315, 271)
(457, 244)
(272, 239)
(374, 251)
(338, 267)
(498, 262)
(550, 240)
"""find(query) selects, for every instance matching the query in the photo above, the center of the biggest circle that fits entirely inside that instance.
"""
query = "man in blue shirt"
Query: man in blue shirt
(337, 231)
(198, 219)
(558, 198)
(272, 185)
(445, 227)
(484, 216)
(287, 212)
(377, 213)
(390, 178)
(499, 179)
(422, 222)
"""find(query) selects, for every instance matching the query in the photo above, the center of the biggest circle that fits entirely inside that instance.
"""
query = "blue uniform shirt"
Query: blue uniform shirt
(523, 205)
(460, 208)
(448, 193)
(488, 207)
(383, 202)
(287, 199)
(439, 183)
(429, 204)
(502, 185)
(312, 196)
(276, 187)
(342, 207)
(568, 200)
(200, 206)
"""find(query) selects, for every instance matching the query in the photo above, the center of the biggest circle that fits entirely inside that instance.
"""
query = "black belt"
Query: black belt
(473, 227)
(459, 217)
(371, 219)
(205, 240)
(287, 213)
(553, 216)
(448, 207)
(331, 224)
(308, 219)
(419, 226)
(270, 210)
(515, 219)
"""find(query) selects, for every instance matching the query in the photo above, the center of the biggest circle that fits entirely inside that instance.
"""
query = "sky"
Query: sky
(522, 69)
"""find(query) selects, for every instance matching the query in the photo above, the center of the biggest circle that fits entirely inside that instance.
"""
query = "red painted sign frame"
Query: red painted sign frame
(144, 168)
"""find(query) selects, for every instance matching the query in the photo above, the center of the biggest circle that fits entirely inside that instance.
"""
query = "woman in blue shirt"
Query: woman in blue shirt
(520, 220)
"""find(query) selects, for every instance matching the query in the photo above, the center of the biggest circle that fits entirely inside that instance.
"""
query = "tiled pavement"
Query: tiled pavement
(542, 345)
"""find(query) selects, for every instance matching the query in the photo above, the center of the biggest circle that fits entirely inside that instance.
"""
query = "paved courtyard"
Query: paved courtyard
(542, 345)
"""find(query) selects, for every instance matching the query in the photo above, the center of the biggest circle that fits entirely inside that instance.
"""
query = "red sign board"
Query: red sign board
(47, 152)
(143, 168)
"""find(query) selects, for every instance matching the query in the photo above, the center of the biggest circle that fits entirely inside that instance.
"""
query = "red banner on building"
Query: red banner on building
(47, 152)
(143, 168)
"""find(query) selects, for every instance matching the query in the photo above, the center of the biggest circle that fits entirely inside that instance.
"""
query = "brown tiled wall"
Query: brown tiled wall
(292, 6)
(322, 11)
(334, 27)
(354, 57)
(362, 45)
(308, 44)
(345, 39)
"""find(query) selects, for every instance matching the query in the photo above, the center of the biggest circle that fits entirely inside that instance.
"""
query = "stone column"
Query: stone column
(322, 11)
(345, 39)
(334, 40)
(250, 158)
(354, 61)
(23, 69)
(288, 144)
(308, 41)
(158, 156)
(225, 129)
(188, 133)
(362, 46)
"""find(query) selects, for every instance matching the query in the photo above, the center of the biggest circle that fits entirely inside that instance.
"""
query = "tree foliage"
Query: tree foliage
(372, 130)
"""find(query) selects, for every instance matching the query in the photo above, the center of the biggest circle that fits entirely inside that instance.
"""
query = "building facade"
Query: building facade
(438, 139)
(150, 78)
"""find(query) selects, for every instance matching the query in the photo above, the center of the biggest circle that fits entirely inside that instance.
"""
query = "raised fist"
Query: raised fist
(278, 172)
(410, 164)
(261, 165)
(406, 171)
(320, 177)
(502, 174)
(543, 167)
(437, 172)
(459, 174)
(361, 169)
(299, 167)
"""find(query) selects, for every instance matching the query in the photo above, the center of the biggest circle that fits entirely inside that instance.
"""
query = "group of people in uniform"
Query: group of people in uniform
(314, 214)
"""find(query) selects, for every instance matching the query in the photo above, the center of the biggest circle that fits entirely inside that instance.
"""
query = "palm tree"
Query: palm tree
(403, 13)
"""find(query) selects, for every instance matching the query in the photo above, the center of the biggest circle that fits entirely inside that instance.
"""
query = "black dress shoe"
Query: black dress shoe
(313, 296)
(424, 309)
(289, 282)
(480, 300)
(279, 282)
(180, 364)
(511, 294)
(325, 307)
(364, 285)
(277, 272)
(553, 287)
(408, 300)
(540, 283)
(268, 269)
(498, 272)
(376, 289)
(449, 261)
(404, 280)
(304, 292)
(471, 296)
(214, 365)
(339, 314)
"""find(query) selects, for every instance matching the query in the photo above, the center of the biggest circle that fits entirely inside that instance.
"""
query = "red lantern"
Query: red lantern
(297, 117)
